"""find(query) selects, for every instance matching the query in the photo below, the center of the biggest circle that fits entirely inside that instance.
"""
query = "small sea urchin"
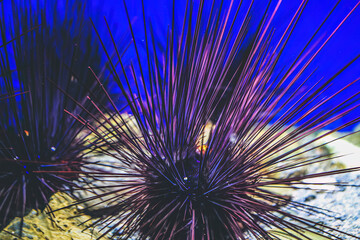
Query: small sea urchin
(40, 149)
(190, 169)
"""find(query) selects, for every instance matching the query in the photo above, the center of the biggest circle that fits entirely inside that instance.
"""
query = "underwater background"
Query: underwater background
(341, 49)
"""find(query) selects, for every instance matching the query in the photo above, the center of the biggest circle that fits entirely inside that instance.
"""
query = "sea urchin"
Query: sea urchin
(40, 149)
(190, 169)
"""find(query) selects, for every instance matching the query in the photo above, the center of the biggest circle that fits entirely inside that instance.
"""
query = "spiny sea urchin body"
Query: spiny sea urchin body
(41, 150)
(177, 178)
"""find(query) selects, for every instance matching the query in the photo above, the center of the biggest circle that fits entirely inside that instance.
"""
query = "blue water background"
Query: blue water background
(341, 49)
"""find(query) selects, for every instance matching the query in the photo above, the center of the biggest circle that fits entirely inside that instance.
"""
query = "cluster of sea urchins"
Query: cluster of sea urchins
(41, 150)
(201, 137)
(189, 169)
